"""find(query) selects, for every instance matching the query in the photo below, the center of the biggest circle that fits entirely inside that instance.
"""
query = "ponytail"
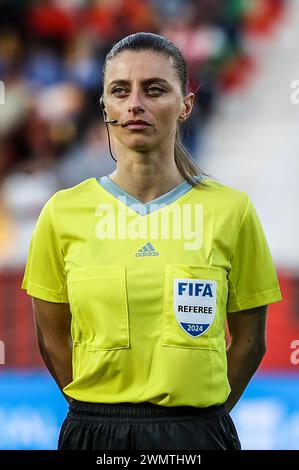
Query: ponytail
(185, 164)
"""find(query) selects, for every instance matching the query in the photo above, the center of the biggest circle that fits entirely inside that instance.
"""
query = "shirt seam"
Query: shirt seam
(241, 225)
(235, 291)
(245, 213)
(32, 284)
(56, 235)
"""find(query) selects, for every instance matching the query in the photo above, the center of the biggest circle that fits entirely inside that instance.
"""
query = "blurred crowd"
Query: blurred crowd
(51, 52)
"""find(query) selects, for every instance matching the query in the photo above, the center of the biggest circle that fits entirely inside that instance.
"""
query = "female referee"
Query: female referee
(133, 276)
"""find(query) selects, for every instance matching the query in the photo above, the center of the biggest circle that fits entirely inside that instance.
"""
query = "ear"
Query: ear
(187, 106)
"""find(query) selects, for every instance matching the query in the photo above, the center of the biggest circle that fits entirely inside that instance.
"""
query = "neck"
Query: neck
(146, 176)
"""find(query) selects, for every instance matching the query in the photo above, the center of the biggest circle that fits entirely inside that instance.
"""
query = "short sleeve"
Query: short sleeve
(252, 279)
(44, 275)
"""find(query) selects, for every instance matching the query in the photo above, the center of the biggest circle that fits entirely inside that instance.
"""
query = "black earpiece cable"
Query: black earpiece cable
(106, 124)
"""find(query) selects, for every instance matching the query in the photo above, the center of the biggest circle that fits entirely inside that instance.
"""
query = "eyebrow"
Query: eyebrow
(144, 82)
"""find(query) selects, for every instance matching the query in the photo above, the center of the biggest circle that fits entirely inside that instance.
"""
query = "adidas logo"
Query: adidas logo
(147, 250)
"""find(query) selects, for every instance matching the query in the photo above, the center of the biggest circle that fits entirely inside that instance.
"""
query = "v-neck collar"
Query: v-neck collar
(140, 207)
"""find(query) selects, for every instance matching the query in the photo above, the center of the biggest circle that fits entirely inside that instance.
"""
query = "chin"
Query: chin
(140, 146)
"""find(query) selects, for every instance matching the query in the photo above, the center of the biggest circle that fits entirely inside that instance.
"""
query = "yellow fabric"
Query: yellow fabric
(128, 345)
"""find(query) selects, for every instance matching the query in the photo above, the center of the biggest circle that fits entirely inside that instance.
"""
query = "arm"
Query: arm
(246, 349)
(53, 331)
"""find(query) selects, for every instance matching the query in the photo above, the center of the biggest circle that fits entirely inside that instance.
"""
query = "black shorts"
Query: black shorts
(146, 426)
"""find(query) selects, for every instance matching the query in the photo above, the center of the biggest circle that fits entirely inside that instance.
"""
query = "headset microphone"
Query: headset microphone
(113, 121)
(107, 121)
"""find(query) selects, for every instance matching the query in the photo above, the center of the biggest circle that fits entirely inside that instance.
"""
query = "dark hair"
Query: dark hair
(153, 42)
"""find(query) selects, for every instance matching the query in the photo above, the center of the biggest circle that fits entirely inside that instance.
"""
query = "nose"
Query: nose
(135, 103)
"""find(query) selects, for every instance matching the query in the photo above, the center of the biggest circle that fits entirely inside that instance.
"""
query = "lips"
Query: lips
(138, 122)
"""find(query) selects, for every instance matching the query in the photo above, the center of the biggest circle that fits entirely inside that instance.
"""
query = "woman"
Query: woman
(133, 275)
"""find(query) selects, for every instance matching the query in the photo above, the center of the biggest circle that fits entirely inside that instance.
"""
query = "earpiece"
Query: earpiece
(107, 121)
(102, 104)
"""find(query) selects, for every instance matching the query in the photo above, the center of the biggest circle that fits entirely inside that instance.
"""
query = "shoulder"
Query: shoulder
(63, 206)
(71, 196)
(76, 191)
(224, 196)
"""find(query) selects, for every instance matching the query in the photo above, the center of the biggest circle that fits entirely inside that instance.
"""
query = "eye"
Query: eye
(117, 89)
(152, 90)
(155, 89)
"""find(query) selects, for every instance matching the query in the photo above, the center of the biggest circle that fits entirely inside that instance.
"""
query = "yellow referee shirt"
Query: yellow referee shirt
(149, 286)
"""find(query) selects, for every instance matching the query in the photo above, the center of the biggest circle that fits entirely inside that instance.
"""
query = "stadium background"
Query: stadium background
(242, 61)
